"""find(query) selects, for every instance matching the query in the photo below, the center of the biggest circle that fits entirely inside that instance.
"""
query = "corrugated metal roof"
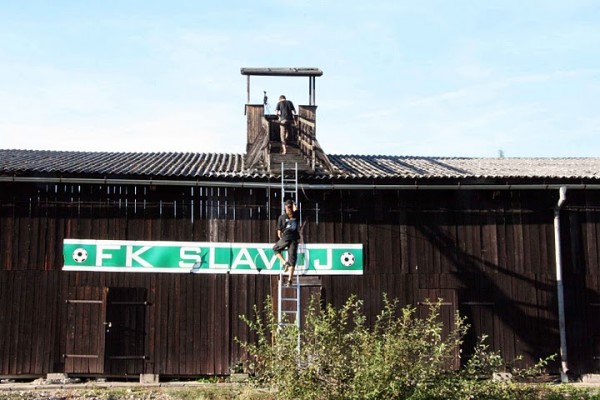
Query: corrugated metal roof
(358, 166)
(174, 165)
(197, 165)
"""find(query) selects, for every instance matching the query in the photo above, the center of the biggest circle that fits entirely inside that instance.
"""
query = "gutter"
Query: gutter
(312, 186)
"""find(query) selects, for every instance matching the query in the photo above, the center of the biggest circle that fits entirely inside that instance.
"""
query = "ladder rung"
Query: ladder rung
(289, 311)
(288, 324)
(289, 298)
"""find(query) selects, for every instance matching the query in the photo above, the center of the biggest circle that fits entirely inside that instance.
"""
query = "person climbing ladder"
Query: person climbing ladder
(288, 236)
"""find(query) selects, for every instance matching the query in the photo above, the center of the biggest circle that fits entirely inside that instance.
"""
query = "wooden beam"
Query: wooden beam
(282, 71)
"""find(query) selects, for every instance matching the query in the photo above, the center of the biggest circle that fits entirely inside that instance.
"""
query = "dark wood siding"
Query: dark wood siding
(493, 250)
(86, 330)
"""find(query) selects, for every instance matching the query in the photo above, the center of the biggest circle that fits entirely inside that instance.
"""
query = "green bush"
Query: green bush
(402, 356)
(484, 362)
(340, 357)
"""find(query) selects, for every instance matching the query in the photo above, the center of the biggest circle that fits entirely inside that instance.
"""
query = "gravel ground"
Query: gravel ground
(129, 391)
(88, 394)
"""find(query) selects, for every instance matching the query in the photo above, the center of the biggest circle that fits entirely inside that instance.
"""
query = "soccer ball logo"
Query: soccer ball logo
(80, 255)
(347, 259)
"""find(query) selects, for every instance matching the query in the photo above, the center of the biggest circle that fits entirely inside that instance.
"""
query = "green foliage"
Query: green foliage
(272, 356)
(340, 357)
(536, 370)
(401, 356)
(403, 352)
(484, 362)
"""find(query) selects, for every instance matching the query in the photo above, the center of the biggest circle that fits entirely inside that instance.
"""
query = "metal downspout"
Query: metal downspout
(559, 287)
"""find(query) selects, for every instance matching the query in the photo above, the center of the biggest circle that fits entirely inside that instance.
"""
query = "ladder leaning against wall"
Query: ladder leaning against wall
(288, 298)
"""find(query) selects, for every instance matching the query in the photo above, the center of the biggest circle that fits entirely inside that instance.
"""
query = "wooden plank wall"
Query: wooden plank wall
(493, 251)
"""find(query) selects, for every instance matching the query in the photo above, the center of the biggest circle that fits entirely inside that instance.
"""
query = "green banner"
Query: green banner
(207, 257)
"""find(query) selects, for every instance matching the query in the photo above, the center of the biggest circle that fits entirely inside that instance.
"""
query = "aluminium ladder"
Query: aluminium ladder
(288, 298)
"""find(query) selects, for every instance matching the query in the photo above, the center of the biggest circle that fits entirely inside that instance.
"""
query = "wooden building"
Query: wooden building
(477, 232)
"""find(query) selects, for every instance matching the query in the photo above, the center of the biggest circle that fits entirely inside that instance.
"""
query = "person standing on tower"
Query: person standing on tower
(285, 110)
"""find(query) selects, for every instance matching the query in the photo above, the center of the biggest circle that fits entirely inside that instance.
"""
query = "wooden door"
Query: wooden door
(126, 331)
(86, 312)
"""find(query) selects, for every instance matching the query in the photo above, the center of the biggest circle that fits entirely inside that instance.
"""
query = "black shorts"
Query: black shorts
(292, 248)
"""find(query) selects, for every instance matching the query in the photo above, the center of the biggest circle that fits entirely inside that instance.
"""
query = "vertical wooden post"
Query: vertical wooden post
(248, 89)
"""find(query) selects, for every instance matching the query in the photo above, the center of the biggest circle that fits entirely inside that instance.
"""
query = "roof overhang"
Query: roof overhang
(281, 71)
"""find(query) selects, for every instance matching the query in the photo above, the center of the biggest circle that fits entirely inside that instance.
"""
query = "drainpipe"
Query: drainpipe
(559, 287)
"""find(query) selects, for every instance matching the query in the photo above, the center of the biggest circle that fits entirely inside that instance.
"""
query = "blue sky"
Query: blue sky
(414, 78)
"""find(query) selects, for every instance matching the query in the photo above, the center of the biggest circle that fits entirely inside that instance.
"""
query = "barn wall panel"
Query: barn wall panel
(494, 249)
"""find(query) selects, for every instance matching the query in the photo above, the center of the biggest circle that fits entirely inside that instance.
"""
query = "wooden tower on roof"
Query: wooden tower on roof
(263, 143)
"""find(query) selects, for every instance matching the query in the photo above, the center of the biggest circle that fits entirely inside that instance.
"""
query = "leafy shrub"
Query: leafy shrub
(402, 356)
(484, 362)
(340, 357)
